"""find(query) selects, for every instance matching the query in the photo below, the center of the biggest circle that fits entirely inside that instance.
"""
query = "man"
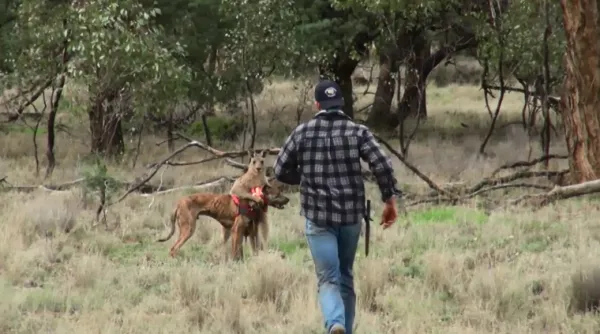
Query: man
(323, 157)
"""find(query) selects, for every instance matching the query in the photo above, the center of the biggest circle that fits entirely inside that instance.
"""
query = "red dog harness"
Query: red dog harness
(245, 209)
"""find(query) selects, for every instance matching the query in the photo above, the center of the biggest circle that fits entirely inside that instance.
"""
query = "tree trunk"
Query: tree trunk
(51, 126)
(384, 94)
(105, 124)
(580, 101)
(170, 130)
(414, 101)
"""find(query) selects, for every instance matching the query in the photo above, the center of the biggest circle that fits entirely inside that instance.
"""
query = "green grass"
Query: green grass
(448, 215)
(128, 253)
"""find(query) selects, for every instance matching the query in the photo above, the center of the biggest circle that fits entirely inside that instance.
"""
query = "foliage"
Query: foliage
(97, 178)
(207, 52)
(520, 36)
(399, 21)
(221, 128)
(7, 20)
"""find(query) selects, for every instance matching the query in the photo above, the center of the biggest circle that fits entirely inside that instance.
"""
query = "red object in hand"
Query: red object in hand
(257, 192)
(389, 215)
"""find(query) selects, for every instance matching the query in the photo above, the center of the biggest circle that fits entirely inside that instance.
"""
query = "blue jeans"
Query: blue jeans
(333, 250)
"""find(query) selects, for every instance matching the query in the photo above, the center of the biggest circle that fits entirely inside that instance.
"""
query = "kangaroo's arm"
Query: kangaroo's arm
(240, 191)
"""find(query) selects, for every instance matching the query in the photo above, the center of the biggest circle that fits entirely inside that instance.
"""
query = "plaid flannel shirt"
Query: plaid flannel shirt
(323, 157)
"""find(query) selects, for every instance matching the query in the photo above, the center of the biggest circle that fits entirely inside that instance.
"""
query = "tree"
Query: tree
(335, 38)
(113, 49)
(580, 101)
(409, 31)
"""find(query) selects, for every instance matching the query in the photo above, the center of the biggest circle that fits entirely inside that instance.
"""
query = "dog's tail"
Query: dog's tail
(172, 219)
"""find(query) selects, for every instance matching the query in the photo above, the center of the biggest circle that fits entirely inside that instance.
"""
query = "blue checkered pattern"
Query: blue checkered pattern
(323, 156)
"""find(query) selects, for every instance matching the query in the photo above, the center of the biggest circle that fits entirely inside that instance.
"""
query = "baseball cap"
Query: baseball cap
(329, 94)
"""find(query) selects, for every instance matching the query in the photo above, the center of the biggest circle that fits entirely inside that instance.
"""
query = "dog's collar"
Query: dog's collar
(245, 208)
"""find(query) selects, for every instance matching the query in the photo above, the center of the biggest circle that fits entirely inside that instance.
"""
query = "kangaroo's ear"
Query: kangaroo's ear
(250, 153)
(264, 153)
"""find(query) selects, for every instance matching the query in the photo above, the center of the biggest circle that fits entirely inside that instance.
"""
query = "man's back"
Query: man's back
(328, 156)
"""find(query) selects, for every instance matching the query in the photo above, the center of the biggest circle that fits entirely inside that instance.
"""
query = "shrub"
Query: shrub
(220, 128)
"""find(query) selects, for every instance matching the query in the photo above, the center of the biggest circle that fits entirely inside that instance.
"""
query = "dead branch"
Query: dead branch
(506, 186)
(144, 190)
(50, 187)
(191, 143)
(490, 184)
(529, 163)
(223, 154)
(560, 193)
(37, 93)
(438, 199)
(198, 186)
(155, 170)
(513, 177)
(552, 100)
(228, 157)
(415, 170)
(188, 163)
(496, 113)
(10, 117)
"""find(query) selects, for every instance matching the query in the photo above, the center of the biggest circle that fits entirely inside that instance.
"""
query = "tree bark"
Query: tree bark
(380, 113)
(51, 126)
(414, 99)
(419, 67)
(105, 124)
(580, 101)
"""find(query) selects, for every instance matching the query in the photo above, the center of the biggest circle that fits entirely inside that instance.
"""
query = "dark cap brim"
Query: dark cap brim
(332, 103)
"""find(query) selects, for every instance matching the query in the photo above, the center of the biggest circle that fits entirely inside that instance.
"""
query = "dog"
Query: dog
(234, 214)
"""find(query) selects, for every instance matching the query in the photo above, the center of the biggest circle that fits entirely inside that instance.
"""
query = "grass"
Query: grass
(453, 270)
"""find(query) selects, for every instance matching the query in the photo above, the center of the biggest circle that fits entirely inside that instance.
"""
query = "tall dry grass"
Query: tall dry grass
(454, 270)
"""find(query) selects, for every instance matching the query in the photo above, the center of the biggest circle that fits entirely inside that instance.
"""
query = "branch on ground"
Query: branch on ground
(156, 167)
(415, 170)
(145, 189)
(463, 193)
(513, 177)
(198, 186)
(529, 163)
(50, 187)
(559, 193)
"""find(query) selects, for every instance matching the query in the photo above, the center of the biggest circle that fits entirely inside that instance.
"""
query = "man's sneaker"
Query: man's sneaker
(337, 329)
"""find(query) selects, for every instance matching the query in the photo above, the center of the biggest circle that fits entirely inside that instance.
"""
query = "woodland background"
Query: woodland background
(112, 110)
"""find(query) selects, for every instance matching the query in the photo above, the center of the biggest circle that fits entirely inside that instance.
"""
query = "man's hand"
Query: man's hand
(390, 213)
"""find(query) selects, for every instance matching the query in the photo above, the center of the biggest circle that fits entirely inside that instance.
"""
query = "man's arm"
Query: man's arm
(286, 164)
(380, 165)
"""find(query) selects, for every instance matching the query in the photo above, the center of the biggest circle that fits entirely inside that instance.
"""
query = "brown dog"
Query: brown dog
(230, 211)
